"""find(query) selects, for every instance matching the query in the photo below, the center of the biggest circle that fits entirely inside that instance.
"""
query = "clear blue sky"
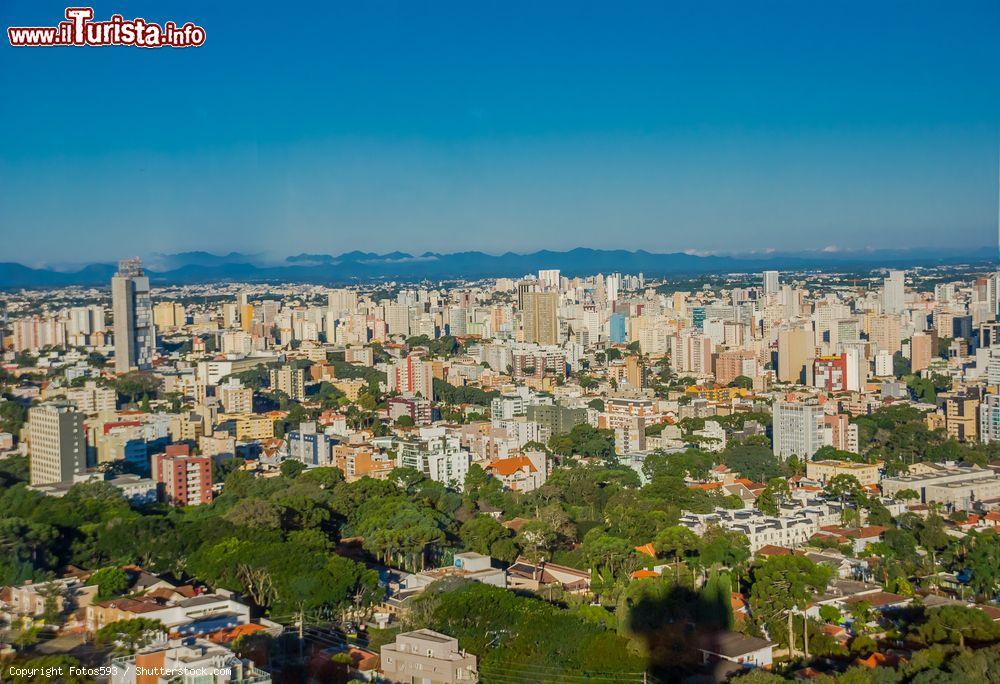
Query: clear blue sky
(505, 125)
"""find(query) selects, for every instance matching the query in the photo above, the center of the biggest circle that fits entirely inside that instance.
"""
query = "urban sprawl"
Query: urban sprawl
(610, 478)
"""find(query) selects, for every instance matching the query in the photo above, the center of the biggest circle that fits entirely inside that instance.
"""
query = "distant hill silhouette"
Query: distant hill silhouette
(203, 267)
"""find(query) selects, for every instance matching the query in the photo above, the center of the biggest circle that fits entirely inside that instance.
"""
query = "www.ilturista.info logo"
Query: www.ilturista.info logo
(80, 29)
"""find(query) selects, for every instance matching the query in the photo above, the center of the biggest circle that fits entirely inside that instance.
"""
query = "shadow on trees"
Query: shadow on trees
(673, 624)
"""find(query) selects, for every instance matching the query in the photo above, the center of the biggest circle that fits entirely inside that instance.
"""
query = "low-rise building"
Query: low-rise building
(427, 656)
(524, 473)
(469, 565)
(823, 471)
(957, 487)
(186, 661)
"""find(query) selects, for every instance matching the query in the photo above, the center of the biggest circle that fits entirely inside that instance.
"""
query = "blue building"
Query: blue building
(698, 317)
(310, 446)
(617, 332)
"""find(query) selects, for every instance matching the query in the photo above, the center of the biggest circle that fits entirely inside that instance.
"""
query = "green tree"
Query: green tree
(783, 584)
(775, 493)
(677, 541)
(130, 635)
(954, 624)
(110, 583)
(481, 533)
(292, 468)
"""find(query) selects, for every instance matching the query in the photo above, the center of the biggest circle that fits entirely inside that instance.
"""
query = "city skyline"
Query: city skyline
(508, 128)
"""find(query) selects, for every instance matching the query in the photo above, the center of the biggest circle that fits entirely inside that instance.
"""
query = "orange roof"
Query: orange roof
(647, 549)
(509, 466)
(705, 485)
(229, 635)
(644, 574)
(772, 550)
(876, 659)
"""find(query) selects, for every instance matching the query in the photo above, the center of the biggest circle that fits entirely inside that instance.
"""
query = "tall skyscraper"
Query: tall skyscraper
(58, 444)
(771, 284)
(135, 336)
(894, 293)
(541, 324)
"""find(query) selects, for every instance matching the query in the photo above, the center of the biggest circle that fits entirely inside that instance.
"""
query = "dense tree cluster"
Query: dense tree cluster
(899, 435)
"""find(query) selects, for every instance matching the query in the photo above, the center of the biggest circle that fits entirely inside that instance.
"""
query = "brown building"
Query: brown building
(795, 348)
(729, 365)
(540, 320)
(361, 461)
(921, 351)
(635, 372)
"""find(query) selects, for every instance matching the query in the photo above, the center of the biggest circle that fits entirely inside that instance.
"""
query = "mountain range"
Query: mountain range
(356, 266)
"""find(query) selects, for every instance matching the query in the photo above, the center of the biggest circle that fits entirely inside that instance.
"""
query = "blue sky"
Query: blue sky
(724, 126)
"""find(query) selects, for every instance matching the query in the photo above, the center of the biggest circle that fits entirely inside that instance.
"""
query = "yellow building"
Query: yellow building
(351, 387)
(823, 471)
(715, 393)
(168, 315)
(253, 427)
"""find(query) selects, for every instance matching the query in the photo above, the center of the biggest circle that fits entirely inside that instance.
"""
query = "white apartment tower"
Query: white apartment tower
(58, 445)
(798, 429)
(894, 293)
(771, 284)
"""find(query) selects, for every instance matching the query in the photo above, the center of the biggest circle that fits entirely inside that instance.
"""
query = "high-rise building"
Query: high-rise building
(830, 373)
(168, 315)
(690, 352)
(541, 323)
(186, 479)
(894, 293)
(58, 444)
(733, 363)
(798, 429)
(795, 347)
(883, 364)
(921, 351)
(135, 335)
(989, 418)
(291, 381)
(885, 332)
(961, 415)
(92, 398)
(771, 283)
(549, 278)
(411, 377)
(309, 445)
(628, 418)
(635, 372)
(617, 332)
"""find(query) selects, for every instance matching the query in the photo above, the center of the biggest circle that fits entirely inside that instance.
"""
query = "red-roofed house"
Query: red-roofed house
(520, 473)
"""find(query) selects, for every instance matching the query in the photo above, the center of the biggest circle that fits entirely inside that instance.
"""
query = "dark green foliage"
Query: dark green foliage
(450, 394)
(510, 633)
(585, 440)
